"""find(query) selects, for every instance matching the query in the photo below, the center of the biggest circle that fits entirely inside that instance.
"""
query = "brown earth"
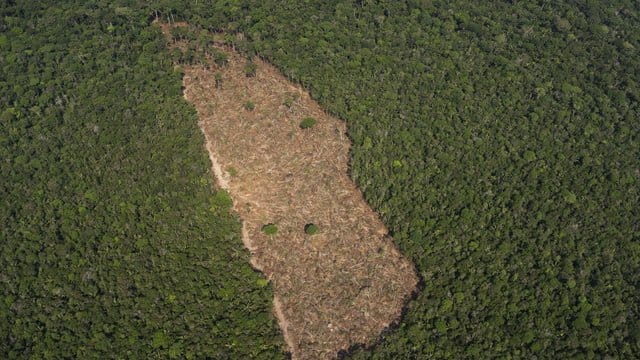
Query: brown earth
(339, 287)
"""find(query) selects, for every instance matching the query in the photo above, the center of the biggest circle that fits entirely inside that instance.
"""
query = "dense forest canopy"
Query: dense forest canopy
(499, 141)
(113, 243)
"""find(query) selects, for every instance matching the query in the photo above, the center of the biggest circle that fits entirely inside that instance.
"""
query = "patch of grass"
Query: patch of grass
(308, 123)
(270, 229)
(249, 106)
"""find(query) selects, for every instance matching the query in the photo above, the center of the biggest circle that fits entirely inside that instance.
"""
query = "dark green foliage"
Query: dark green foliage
(311, 229)
(249, 105)
(307, 123)
(270, 229)
(113, 243)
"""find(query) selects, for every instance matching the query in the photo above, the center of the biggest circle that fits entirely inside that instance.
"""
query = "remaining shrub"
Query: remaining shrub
(250, 69)
(311, 229)
(270, 229)
(249, 106)
(307, 123)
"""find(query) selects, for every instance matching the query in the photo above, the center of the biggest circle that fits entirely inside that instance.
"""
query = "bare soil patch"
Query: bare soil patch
(339, 287)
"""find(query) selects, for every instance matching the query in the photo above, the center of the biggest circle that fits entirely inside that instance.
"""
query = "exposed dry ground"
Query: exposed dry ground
(339, 287)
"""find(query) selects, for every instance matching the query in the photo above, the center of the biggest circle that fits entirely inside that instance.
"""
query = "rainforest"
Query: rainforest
(498, 143)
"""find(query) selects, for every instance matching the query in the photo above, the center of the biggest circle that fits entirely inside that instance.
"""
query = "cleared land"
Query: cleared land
(339, 287)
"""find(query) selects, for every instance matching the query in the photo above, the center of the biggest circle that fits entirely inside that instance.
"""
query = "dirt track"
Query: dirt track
(334, 289)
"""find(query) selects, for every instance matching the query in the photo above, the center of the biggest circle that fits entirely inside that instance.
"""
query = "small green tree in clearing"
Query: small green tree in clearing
(308, 123)
(311, 229)
(270, 229)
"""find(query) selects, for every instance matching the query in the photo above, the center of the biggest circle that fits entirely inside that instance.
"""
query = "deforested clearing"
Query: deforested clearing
(344, 283)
